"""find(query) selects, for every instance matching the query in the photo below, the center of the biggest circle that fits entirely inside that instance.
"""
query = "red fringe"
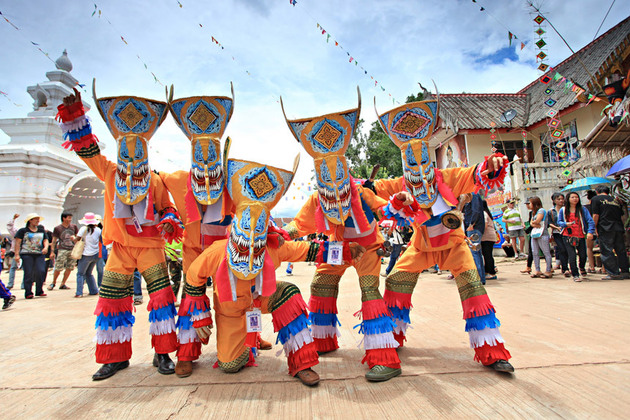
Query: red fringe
(477, 306)
(372, 309)
(113, 353)
(273, 234)
(384, 357)
(164, 343)
(357, 209)
(69, 113)
(76, 145)
(176, 235)
(400, 337)
(322, 305)
(488, 183)
(324, 345)
(191, 303)
(251, 339)
(487, 354)
(251, 361)
(288, 312)
(203, 322)
(189, 352)
(190, 202)
(304, 358)
(319, 259)
(399, 300)
(445, 191)
(160, 299)
(113, 306)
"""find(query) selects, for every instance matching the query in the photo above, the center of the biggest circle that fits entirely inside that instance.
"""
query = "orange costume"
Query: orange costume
(438, 238)
(343, 210)
(243, 268)
(205, 208)
(137, 206)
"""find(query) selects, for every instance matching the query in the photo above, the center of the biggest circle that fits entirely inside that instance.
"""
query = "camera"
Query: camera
(385, 250)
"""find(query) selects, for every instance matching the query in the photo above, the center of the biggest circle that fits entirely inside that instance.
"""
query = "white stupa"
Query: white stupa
(36, 173)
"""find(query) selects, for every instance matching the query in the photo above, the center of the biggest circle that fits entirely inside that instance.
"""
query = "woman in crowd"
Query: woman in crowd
(579, 226)
(31, 246)
(562, 257)
(488, 239)
(590, 243)
(540, 242)
(90, 233)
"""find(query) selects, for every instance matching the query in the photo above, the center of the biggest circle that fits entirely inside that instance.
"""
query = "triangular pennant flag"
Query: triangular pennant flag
(522, 46)
(510, 35)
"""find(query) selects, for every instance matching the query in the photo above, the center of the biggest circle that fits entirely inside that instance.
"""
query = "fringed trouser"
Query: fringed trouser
(290, 321)
(481, 323)
(377, 325)
(114, 320)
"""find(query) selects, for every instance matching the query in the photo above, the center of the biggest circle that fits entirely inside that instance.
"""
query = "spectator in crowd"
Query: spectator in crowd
(14, 262)
(31, 246)
(5, 294)
(102, 255)
(63, 239)
(514, 224)
(474, 224)
(578, 225)
(540, 242)
(137, 287)
(488, 239)
(90, 233)
(290, 269)
(173, 255)
(6, 248)
(590, 243)
(607, 214)
(397, 242)
(562, 257)
(507, 247)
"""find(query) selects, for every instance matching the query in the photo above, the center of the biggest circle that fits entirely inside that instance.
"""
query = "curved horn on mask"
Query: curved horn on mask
(169, 98)
(378, 119)
(232, 108)
(98, 106)
(437, 111)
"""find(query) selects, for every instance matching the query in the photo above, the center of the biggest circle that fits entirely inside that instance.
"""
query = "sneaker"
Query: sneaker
(493, 277)
(8, 302)
(29, 297)
(450, 277)
(383, 274)
(41, 295)
(52, 286)
(137, 300)
(381, 373)
(567, 274)
(613, 277)
(577, 279)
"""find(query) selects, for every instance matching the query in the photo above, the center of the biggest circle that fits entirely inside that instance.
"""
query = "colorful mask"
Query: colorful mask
(203, 119)
(326, 139)
(255, 189)
(132, 121)
(410, 126)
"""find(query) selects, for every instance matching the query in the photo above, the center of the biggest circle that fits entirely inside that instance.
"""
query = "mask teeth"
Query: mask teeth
(129, 169)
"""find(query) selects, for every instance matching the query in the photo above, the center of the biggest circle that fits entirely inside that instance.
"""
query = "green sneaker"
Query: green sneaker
(381, 373)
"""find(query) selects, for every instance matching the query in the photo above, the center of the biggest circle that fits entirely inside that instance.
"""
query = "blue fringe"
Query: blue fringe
(167, 312)
(123, 319)
(196, 311)
(184, 323)
(77, 134)
(292, 328)
(400, 313)
(482, 322)
(400, 221)
(380, 325)
(323, 319)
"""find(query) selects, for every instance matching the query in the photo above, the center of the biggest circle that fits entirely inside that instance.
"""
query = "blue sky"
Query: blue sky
(271, 48)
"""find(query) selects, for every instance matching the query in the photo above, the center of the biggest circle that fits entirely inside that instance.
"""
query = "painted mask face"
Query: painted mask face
(132, 121)
(132, 173)
(326, 139)
(409, 127)
(203, 119)
(255, 189)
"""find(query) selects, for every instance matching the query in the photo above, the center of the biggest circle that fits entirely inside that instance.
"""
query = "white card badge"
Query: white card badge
(136, 224)
(254, 320)
(335, 253)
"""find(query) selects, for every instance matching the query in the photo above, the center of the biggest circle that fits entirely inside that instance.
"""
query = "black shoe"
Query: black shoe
(109, 369)
(8, 302)
(502, 366)
(164, 364)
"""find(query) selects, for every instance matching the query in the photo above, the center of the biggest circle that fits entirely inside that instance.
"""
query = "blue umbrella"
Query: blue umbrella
(587, 183)
(622, 166)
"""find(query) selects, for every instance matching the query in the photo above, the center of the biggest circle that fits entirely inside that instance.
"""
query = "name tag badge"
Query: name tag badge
(254, 320)
(335, 253)
(136, 224)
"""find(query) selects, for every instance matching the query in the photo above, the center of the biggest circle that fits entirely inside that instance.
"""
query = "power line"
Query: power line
(601, 24)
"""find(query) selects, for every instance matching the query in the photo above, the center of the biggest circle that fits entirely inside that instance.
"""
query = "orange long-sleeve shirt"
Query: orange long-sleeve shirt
(305, 223)
(459, 180)
(114, 229)
(208, 262)
(177, 185)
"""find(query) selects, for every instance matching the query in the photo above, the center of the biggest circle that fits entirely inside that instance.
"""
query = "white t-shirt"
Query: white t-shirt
(92, 243)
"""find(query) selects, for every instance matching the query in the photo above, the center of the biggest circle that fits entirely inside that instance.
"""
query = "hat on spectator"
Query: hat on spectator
(32, 216)
(89, 219)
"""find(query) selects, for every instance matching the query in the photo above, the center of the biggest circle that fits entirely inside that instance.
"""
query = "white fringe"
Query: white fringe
(478, 338)
(296, 342)
(109, 336)
(76, 124)
(162, 327)
(401, 327)
(380, 341)
(201, 316)
(324, 331)
(187, 336)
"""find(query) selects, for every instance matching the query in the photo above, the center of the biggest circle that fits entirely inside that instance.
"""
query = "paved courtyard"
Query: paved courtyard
(569, 341)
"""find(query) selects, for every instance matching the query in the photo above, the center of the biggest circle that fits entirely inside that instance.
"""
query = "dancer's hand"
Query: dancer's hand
(70, 99)
(168, 228)
(204, 333)
(405, 197)
(495, 162)
(356, 251)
